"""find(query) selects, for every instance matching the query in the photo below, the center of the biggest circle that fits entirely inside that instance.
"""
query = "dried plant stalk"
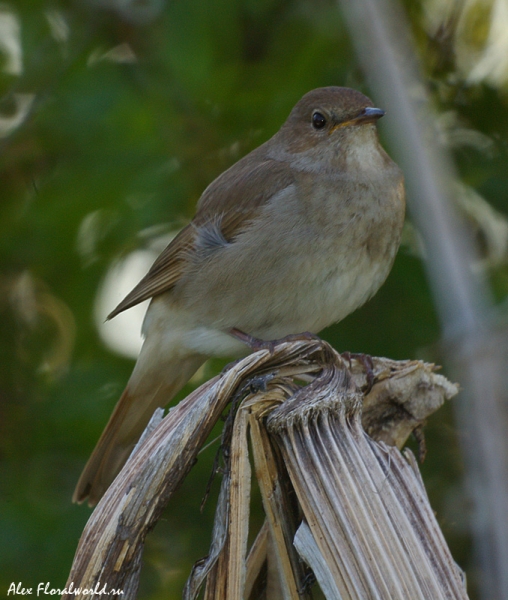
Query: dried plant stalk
(227, 579)
(111, 546)
(366, 509)
(281, 521)
(404, 394)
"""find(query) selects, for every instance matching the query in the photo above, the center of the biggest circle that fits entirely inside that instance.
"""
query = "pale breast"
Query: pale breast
(298, 269)
(356, 254)
(317, 251)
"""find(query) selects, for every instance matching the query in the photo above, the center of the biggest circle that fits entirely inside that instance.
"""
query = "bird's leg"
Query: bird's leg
(258, 344)
(254, 343)
(366, 361)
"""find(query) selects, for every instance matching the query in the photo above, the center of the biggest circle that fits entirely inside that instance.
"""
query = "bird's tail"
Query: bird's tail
(148, 389)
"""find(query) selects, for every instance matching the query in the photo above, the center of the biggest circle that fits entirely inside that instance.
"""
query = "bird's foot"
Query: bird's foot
(258, 344)
(366, 361)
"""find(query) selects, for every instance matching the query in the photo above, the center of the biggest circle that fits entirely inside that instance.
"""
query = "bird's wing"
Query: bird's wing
(230, 202)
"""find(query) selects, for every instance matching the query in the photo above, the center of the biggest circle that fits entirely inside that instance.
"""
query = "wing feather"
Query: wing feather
(234, 199)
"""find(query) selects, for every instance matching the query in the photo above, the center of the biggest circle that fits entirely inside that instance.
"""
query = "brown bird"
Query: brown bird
(293, 237)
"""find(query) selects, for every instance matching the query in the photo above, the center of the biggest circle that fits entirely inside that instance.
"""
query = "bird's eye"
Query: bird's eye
(318, 120)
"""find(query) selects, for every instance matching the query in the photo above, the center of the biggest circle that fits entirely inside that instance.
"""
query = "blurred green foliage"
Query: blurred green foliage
(133, 109)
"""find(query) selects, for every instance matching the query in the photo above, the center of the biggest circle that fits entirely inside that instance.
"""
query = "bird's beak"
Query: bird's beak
(367, 115)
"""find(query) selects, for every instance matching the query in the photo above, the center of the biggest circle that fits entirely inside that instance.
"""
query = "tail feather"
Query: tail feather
(143, 394)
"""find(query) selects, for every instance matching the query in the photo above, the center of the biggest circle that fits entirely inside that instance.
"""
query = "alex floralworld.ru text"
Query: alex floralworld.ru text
(44, 588)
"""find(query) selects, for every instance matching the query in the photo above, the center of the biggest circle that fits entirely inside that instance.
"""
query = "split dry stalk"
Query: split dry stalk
(337, 503)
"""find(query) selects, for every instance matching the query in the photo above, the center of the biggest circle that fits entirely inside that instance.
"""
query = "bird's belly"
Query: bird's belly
(327, 298)
(305, 297)
(317, 300)
(272, 282)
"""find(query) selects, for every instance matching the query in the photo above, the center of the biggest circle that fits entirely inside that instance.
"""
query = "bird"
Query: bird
(293, 237)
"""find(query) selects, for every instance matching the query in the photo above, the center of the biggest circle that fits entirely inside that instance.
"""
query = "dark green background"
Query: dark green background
(139, 142)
